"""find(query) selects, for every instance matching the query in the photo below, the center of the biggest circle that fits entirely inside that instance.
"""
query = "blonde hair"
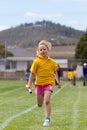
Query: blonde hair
(46, 43)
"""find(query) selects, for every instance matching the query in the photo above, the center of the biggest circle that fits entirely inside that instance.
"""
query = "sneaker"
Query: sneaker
(46, 122)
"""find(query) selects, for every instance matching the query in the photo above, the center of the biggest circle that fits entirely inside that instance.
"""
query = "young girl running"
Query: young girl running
(44, 69)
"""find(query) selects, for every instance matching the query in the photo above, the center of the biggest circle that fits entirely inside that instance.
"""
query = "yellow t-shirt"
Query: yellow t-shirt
(44, 69)
(71, 75)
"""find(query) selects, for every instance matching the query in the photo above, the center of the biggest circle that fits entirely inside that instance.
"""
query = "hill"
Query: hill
(29, 34)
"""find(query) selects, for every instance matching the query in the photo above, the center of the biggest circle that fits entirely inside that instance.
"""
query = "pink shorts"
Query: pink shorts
(40, 89)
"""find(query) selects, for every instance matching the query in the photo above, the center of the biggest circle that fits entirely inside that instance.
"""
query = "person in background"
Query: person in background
(58, 72)
(45, 70)
(75, 75)
(27, 74)
(84, 74)
(71, 76)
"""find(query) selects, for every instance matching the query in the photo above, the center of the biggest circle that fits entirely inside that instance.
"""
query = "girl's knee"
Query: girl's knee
(47, 102)
(39, 105)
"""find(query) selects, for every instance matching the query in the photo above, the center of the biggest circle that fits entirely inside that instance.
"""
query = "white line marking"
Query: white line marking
(6, 122)
(57, 91)
(75, 111)
(3, 125)
(10, 91)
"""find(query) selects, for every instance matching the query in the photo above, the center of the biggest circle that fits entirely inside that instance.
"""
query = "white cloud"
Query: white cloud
(39, 15)
(3, 27)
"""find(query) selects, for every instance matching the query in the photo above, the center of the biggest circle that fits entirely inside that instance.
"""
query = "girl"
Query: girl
(44, 69)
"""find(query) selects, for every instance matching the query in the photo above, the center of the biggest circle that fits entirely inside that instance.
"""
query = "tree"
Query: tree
(81, 48)
(4, 53)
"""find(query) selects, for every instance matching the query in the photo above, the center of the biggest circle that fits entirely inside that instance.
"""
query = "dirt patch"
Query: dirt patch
(63, 51)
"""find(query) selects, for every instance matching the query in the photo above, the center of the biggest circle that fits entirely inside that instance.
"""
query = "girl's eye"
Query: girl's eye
(42, 49)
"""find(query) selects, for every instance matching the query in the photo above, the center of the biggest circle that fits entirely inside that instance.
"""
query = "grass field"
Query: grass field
(18, 109)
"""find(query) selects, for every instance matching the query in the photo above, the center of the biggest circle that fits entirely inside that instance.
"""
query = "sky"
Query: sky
(71, 13)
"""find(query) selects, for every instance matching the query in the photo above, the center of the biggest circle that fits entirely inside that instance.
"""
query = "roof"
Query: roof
(21, 52)
(20, 58)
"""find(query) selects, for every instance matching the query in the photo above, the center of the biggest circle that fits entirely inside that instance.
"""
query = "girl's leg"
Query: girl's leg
(47, 96)
(39, 95)
(40, 99)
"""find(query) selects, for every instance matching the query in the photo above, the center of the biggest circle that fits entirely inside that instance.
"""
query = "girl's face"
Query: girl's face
(43, 50)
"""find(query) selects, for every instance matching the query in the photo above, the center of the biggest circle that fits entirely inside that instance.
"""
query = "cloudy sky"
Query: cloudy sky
(71, 13)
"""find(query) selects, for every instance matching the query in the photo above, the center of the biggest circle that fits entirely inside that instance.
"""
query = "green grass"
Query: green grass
(18, 110)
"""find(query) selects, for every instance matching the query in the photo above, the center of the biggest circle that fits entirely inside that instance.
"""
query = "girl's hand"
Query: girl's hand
(59, 85)
(27, 87)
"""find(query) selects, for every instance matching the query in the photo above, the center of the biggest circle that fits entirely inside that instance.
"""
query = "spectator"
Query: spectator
(27, 74)
(84, 73)
(71, 76)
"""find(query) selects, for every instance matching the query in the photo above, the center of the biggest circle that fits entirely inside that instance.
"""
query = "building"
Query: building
(15, 67)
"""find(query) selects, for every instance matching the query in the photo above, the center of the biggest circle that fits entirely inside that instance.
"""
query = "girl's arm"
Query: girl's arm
(57, 79)
(30, 81)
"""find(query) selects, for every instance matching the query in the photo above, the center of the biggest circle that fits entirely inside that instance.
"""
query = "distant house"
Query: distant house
(62, 62)
(20, 63)
(14, 67)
